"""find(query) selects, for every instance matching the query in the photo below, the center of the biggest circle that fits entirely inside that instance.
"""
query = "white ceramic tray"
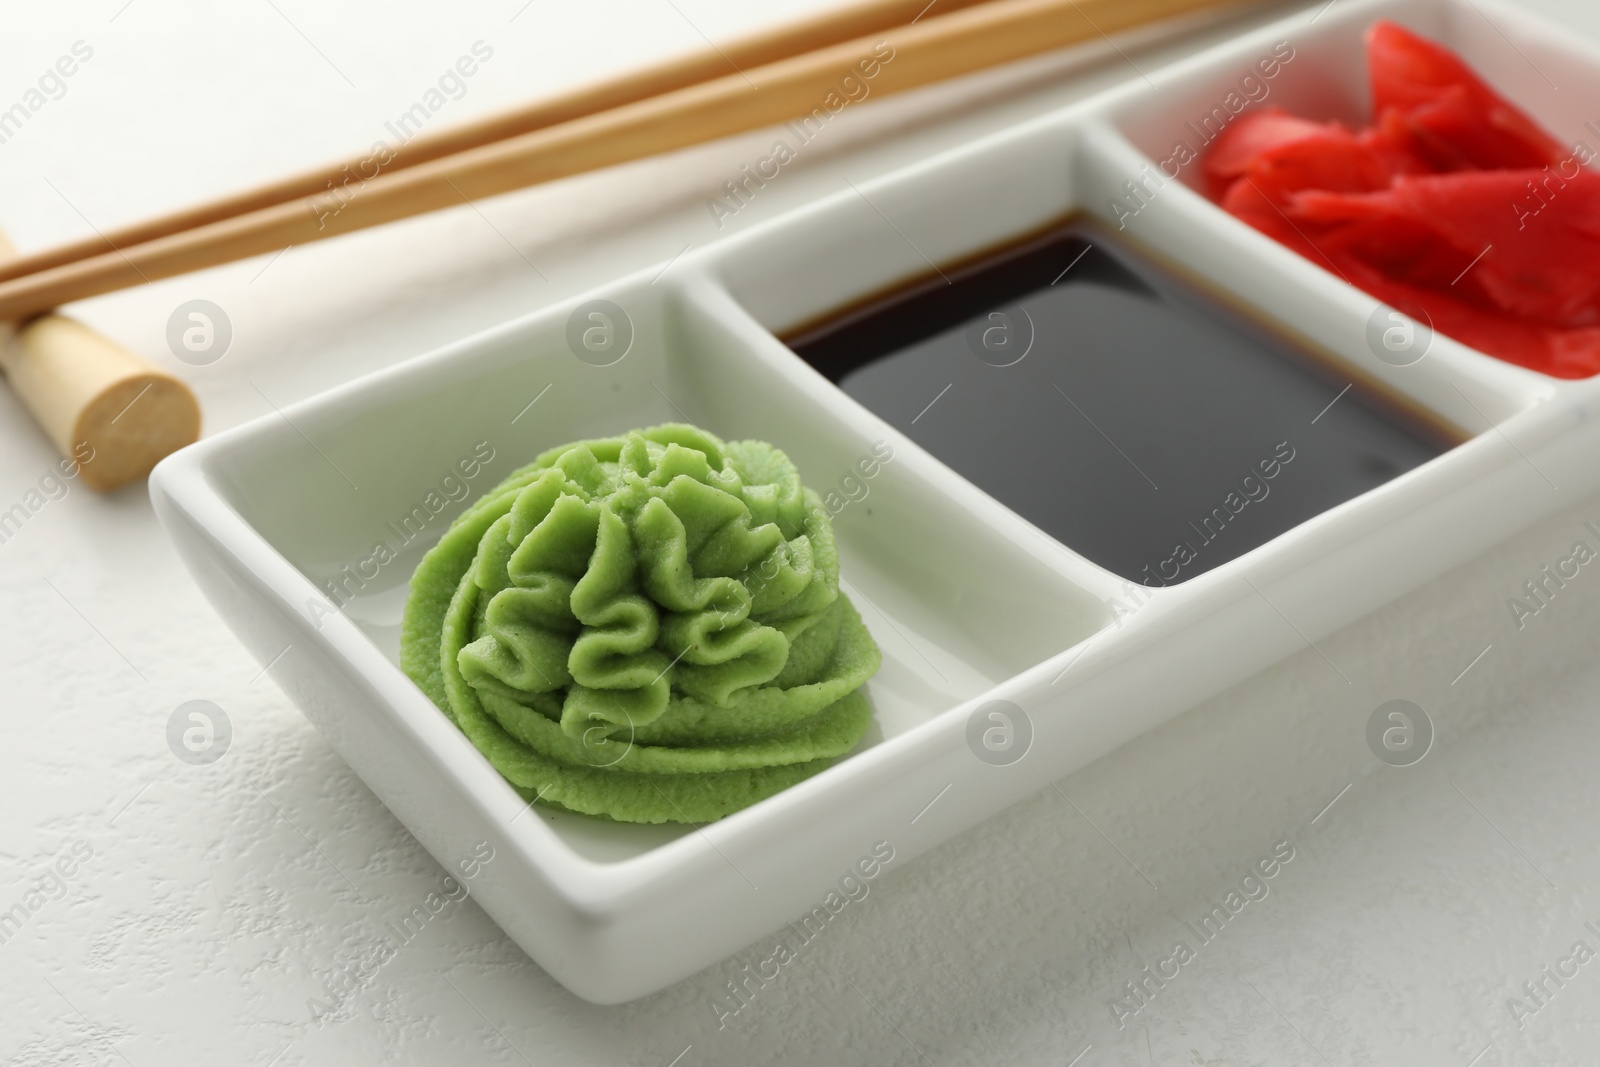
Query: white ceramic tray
(970, 603)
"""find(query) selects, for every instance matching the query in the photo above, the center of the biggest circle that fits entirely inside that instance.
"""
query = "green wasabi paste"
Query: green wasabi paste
(646, 627)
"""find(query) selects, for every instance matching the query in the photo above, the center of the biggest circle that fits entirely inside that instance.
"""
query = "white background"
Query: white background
(219, 897)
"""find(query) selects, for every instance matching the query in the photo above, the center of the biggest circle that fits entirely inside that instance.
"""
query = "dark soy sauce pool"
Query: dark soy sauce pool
(1140, 422)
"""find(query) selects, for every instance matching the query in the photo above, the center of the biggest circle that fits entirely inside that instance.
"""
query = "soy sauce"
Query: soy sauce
(1138, 420)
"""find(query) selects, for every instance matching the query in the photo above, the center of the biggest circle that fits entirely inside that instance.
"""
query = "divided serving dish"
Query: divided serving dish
(971, 604)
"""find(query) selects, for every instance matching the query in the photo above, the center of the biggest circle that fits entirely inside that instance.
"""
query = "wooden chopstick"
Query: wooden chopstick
(797, 38)
(930, 50)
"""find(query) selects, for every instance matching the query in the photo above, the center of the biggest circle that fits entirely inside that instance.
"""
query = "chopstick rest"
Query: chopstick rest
(113, 413)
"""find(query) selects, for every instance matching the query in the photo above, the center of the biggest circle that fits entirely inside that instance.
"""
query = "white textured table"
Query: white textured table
(226, 913)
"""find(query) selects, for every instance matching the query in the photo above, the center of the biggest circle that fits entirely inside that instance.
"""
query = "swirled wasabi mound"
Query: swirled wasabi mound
(647, 628)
